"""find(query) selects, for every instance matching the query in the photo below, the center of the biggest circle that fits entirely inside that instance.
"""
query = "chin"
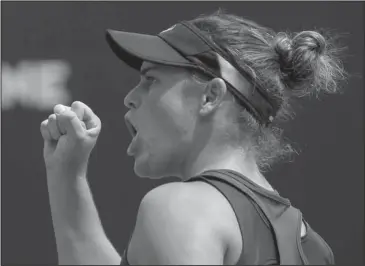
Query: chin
(145, 169)
(142, 169)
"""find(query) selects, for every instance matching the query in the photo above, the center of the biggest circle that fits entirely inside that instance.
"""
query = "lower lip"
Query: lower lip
(132, 146)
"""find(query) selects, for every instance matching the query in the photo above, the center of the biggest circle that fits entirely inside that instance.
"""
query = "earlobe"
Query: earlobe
(214, 92)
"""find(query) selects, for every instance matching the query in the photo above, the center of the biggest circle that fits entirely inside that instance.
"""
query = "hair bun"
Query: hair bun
(310, 41)
(300, 57)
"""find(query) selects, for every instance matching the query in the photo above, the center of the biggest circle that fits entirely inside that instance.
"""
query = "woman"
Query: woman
(206, 110)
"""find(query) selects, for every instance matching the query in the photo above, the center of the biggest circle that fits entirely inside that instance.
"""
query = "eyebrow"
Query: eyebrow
(146, 69)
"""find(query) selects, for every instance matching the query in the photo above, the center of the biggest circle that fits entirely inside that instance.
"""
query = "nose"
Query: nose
(130, 101)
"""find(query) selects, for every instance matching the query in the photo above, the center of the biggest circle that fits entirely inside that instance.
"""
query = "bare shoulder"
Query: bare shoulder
(192, 195)
(180, 223)
(191, 200)
(183, 204)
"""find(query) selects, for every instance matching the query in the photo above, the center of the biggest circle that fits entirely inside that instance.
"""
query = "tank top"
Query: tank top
(269, 224)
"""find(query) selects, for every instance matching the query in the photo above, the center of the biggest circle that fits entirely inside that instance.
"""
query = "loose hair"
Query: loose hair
(287, 65)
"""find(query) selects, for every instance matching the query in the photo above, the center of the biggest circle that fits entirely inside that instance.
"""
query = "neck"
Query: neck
(224, 157)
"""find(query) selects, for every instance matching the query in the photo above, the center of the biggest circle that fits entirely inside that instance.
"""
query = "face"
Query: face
(163, 110)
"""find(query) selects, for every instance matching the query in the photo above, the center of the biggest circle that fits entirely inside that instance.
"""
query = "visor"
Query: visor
(184, 45)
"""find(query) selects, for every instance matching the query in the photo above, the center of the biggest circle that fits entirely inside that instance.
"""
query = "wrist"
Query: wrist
(71, 170)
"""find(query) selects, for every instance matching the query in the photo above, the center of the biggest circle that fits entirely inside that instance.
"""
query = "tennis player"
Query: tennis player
(206, 110)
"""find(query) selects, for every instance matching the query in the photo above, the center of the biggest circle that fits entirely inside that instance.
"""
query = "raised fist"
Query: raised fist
(69, 136)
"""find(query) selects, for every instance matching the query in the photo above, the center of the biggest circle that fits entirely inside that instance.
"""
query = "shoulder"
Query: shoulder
(193, 201)
(181, 206)
(188, 197)
(179, 223)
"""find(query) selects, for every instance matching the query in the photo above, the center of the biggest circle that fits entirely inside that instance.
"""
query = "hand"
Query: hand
(69, 136)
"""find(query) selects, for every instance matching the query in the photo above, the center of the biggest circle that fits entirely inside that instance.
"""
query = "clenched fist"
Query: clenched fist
(69, 136)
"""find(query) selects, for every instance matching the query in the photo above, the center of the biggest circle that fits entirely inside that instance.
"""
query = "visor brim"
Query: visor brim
(134, 48)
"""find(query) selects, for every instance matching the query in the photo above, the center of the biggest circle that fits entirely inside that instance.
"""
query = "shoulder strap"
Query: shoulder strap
(286, 227)
(287, 231)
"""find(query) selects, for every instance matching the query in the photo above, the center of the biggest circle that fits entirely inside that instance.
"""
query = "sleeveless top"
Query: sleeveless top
(270, 235)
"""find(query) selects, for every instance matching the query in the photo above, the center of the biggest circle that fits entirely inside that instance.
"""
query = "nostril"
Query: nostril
(130, 101)
(130, 105)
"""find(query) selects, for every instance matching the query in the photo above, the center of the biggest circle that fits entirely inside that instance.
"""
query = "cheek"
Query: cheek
(176, 113)
(169, 117)
(166, 125)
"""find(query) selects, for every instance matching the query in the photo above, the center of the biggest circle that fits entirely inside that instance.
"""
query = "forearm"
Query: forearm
(78, 230)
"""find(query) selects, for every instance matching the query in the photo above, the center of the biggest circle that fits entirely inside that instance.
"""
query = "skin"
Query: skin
(182, 124)
(184, 128)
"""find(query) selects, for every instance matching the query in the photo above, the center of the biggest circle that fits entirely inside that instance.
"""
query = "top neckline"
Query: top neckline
(250, 184)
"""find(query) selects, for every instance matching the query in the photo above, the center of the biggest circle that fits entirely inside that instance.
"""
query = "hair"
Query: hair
(287, 65)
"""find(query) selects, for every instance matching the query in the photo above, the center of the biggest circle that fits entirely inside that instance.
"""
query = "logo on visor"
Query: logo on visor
(169, 29)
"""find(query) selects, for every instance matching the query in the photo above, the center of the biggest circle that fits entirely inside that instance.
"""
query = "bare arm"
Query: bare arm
(69, 137)
(80, 237)
(174, 228)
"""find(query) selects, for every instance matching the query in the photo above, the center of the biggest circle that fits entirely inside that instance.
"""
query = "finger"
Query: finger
(53, 127)
(44, 131)
(69, 122)
(59, 108)
(85, 114)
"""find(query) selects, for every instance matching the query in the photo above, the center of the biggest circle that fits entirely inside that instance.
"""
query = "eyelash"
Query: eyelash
(150, 79)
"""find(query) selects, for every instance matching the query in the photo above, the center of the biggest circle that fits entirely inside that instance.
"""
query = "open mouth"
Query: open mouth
(132, 130)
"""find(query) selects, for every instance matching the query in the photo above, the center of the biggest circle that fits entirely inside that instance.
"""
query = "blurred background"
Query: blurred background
(55, 52)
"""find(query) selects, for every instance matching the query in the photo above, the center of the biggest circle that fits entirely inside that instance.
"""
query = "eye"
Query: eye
(150, 79)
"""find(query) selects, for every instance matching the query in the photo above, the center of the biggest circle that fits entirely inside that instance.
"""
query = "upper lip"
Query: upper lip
(130, 125)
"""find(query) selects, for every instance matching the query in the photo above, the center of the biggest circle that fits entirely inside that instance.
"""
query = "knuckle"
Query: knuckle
(44, 123)
(52, 117)
(76, 104)
(57, 107)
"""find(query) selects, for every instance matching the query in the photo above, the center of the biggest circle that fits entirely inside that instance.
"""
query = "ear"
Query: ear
(213, 95)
